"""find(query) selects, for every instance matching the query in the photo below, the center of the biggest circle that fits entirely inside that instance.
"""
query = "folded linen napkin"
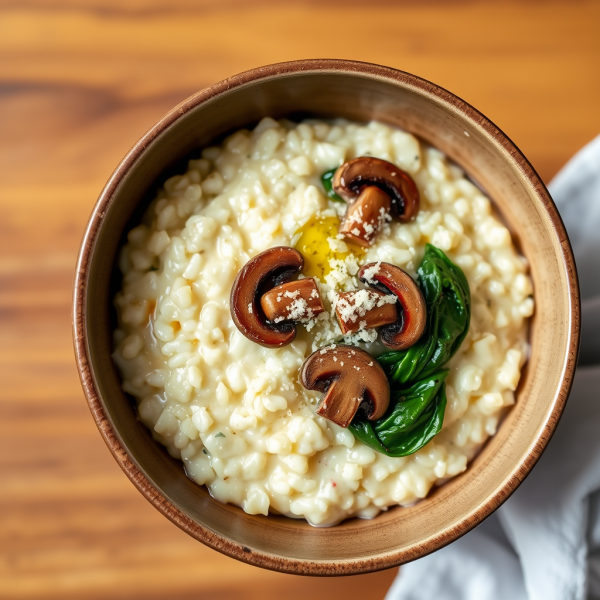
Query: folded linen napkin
(544, 542)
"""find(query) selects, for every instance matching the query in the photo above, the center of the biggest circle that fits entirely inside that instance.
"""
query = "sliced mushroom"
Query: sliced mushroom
(407, 330)
(366, 216)
(365, 309)
(355, 175)
(294, 301)
(260, 274)
(351, 378)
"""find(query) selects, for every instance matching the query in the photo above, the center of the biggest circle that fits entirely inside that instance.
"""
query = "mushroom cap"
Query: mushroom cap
(263, 272)
(349, 377)
(407, 330)
(363, 171)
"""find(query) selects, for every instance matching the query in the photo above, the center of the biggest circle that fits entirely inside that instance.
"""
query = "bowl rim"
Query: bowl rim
(210, 538)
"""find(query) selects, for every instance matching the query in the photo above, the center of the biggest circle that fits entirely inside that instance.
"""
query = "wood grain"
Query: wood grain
(79, 83)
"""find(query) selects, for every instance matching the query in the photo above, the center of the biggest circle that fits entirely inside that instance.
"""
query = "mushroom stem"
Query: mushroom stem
(351, 379)
(338, 409)
(366, 216)
(365, 309)
(294, 301)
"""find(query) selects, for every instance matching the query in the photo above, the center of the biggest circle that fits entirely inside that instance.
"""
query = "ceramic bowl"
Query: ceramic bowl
(357, 91)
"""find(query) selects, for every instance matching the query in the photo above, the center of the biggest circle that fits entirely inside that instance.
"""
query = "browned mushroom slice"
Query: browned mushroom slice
(366, 216)
(407, 330)
(265, 271)
(354, 175)
(351, 378)
(294, 301)
(364, 309)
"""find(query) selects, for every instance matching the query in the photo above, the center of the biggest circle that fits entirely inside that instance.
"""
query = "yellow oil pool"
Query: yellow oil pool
(311, 242)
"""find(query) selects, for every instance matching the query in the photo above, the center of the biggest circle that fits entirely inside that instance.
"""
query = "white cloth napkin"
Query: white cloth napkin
(544, 542)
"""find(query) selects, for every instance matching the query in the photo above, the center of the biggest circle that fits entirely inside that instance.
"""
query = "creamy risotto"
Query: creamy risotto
(235, 412)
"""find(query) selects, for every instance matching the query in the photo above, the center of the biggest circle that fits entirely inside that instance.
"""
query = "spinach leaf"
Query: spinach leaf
(327, 181)
(408, 406)
(415, 415)
(448, 301)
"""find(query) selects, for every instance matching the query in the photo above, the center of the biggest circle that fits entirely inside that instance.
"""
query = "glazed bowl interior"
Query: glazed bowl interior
(356, 91)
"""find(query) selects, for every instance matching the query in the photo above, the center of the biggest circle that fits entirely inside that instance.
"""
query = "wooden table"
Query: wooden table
(79, 83)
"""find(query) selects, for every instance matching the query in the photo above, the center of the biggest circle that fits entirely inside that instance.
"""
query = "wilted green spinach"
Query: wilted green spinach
(415, 415)
(418, 391)
(327, 181)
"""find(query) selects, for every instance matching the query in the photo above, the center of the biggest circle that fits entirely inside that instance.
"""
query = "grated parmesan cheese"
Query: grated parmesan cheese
(298, 310)
(369, 274)
(363, 301)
